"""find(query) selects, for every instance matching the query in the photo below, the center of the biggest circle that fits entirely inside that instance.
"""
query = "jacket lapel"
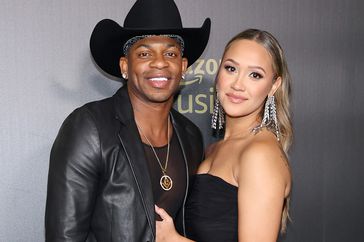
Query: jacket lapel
(131, 142)
(183, 139)
(186, 152)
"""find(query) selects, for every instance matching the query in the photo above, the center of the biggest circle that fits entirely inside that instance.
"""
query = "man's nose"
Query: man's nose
(159, 61)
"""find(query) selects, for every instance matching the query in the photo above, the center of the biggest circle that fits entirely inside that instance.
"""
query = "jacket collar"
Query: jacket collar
(122, 106)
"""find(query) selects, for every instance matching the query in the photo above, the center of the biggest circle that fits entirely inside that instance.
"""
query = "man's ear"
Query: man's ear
(277, 83)
(184, 64)
(123, 64)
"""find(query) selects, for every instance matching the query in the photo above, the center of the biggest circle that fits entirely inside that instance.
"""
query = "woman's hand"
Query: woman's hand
(165, 228)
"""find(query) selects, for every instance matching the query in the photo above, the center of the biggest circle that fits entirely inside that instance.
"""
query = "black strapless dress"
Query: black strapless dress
(212, 210)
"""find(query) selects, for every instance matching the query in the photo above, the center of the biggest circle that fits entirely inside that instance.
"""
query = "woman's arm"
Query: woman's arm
(264, 179)
(165, 228)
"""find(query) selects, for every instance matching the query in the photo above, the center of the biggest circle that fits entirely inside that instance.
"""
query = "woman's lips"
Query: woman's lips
(236, 98)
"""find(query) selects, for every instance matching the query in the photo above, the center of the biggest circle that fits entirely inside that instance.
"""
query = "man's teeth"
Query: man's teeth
(158, 79)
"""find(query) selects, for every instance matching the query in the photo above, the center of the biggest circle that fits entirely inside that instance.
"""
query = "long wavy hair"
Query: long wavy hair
(282, 95)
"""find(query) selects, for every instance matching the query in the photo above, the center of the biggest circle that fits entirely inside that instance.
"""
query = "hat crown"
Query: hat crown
(146, 17)
(153, 14)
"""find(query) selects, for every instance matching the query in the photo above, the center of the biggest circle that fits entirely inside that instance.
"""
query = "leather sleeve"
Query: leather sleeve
(74, 169)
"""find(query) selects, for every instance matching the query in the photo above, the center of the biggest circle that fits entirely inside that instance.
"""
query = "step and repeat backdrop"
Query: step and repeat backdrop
(46, 71)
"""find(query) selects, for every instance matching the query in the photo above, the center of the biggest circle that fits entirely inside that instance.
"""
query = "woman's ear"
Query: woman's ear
(277, 83)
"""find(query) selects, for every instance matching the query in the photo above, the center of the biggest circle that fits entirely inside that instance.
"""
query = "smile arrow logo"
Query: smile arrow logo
(197, 78)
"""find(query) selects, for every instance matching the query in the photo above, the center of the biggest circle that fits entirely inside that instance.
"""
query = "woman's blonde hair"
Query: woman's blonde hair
(282, 95)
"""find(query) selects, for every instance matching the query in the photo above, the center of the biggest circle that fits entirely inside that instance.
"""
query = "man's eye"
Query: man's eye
(256, 75)
(230, 68)
(143, 54)
(171, 54)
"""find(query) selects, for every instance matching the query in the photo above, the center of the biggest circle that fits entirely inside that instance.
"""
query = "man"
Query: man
(114, 159)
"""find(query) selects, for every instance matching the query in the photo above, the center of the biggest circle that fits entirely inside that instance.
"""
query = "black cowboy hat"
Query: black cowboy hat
(146, 17)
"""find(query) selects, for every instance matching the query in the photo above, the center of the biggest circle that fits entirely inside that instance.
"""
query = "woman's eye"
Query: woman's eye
(256, 75)
(230, 68)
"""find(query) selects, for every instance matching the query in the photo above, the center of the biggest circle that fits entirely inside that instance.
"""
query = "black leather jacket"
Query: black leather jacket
(98, 184)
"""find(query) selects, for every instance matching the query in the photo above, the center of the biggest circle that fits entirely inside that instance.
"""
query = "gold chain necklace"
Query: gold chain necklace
(165, 181)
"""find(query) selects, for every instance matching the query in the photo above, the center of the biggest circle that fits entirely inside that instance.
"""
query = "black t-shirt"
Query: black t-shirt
(171, 200)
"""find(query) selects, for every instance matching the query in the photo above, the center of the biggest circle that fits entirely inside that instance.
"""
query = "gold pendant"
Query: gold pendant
(166, 182)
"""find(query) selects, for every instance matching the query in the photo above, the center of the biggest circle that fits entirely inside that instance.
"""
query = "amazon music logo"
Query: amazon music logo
(197, 95)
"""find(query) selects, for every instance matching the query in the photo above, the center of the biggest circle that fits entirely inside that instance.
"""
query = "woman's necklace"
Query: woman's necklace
(165, 181)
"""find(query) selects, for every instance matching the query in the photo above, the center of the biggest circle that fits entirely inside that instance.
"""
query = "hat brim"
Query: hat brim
(108, 38)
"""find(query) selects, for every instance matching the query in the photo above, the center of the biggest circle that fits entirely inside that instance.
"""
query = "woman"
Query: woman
(241, 191)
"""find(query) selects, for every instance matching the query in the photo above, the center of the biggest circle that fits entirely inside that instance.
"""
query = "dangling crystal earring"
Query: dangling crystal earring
(217, 119)
(269, 118)
(124, 76)
(183, 76)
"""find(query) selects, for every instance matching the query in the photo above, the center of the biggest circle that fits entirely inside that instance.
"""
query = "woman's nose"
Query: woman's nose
(238, 84)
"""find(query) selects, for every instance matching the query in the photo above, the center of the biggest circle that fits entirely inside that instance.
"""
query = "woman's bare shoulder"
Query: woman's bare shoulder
(264, 153)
